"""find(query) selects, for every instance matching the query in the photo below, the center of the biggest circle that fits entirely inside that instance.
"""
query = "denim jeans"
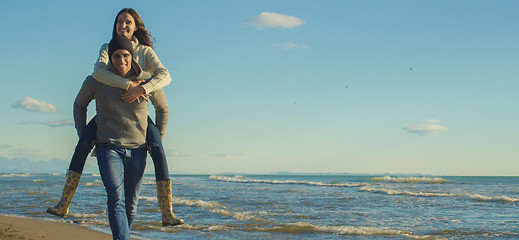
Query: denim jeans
(153, 139)
(121, 171)
(83, 147)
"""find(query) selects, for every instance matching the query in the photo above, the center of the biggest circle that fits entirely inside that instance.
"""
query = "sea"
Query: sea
(290, 206)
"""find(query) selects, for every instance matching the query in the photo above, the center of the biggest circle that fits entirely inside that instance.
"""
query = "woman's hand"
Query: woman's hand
(135, 92)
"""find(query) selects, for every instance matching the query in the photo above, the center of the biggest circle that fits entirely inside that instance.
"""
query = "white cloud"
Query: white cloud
(291, 45)
(219, 155)
(275, 20)
(173, 153)
(425, 129)
(33, 105)
(60, 123)
(5, 146)
(223, 155)
(432, 120)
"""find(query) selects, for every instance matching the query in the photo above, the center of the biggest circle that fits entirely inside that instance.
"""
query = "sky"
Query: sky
(365, 87)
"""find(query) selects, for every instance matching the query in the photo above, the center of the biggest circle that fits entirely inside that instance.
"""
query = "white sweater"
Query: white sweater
(145, 57)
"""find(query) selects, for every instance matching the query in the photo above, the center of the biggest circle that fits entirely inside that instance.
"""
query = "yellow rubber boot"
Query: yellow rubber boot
(166, 204)
(68, 193)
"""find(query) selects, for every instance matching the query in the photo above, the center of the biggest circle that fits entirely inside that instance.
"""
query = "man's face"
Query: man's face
(122, 61)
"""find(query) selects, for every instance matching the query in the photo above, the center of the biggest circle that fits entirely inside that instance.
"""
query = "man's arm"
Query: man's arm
(160, 103)
(83, 98)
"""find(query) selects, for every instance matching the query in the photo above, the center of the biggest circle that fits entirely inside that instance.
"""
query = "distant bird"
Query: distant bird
(347, 86)
(410, 68)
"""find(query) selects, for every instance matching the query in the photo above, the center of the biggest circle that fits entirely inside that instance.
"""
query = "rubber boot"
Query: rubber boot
(166, 203)
(68, 192)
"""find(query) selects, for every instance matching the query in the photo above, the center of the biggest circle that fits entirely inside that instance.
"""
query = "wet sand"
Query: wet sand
(28, 229)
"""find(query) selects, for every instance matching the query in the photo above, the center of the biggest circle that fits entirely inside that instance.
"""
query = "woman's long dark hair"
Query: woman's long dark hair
(143, 35)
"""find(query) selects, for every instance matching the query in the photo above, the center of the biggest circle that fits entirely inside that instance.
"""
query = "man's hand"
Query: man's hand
(134, 92)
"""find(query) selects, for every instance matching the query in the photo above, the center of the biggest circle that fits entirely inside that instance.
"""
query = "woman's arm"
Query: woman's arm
(105, 76)
(149, 63)
(153, 65)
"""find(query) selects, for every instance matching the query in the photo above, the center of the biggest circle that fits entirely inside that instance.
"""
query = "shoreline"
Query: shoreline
(21, 227)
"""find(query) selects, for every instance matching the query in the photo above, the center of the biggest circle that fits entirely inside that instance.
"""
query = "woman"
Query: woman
(129, 24)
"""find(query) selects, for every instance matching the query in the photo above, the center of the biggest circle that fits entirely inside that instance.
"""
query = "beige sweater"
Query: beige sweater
(119, 123)
(145, 57)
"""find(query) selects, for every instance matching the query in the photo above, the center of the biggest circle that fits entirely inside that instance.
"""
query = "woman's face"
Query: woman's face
(125, 25)
(122, 61)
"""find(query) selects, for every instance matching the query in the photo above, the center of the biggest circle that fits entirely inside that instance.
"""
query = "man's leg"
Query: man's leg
(110, 160)
(135, 163)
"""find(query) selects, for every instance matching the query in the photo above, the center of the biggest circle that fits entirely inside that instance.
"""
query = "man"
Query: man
(121, 135)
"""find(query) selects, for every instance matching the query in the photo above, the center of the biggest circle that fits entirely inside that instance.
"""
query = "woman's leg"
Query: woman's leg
(134, 166)
(157, 153)
(83, 148)
(164, 195)
(111, 167)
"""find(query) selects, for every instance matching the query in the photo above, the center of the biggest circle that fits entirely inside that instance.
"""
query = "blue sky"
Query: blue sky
(413, 87)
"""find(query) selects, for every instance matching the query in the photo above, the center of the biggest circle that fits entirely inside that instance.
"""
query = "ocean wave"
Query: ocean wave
(482, 198)
(475, 197)
(148, 181)
(95, 183)
(289, 228)
(16, 175)
(306, 227)
(240, 179)
(35, 192)
(402, 192)
(427, 180)
(86, 215)
(93, 223)
(216, 208)
(150, 199)
(476, 233)
(157, 226)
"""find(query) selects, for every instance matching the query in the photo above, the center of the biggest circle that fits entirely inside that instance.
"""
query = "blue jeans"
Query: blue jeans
(153, 139)
(121, 171)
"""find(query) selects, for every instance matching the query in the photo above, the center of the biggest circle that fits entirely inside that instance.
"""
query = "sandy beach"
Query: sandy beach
(29, 229)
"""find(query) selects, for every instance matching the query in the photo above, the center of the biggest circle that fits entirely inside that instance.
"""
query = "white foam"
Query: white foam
(16, 175)
(302, 227)
(476, 197)
(240, 179)
(95, 183)
(427, 180)
(214, 207)
(400, 192)
(217, 228)
(148, 181)
(146, 198)
(84, 215)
